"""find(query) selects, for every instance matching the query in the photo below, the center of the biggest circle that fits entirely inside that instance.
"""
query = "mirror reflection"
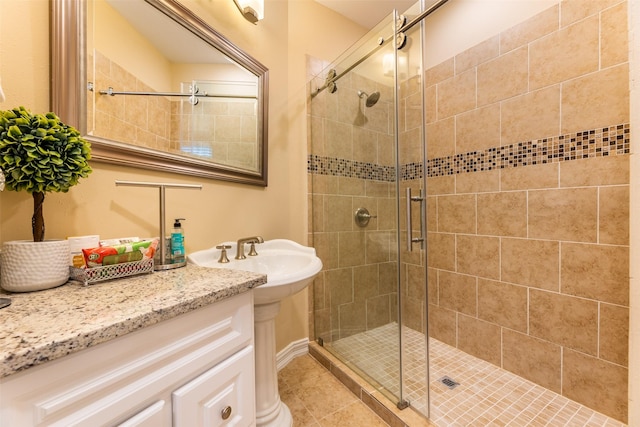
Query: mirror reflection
(164, 89)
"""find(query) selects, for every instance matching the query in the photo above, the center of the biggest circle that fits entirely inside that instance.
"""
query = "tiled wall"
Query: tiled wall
(352, 165)
(218, 126)
(412, 263)
(528, 207)
(222, 128)
(143, 121)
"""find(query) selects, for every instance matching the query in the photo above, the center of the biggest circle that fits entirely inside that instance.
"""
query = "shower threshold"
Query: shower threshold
(486, 394)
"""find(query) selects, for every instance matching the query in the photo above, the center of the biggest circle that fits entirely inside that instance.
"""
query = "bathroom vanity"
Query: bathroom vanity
(171, 348)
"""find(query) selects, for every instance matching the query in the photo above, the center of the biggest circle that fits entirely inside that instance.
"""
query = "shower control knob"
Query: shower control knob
(362, 217)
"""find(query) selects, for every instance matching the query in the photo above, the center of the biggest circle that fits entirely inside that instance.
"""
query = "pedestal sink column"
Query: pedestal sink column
(270, 411)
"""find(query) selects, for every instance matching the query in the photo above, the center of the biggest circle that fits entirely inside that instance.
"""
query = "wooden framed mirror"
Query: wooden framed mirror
(151, 85)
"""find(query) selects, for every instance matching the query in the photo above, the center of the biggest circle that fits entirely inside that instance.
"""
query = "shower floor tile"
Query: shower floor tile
(486, 395)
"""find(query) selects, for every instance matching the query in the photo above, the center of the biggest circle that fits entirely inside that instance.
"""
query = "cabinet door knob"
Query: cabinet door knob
(226, 412)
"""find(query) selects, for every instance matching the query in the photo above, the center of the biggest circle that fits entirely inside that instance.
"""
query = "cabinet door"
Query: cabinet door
(148, 417)
(222, 396)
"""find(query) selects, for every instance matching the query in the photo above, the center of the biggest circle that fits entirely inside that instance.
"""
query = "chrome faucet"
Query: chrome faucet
(240, 246)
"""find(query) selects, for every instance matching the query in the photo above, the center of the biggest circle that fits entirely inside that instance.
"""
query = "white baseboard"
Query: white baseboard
(290, 352)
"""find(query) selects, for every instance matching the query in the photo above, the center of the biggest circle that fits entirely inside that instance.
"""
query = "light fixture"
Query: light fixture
(252, 10)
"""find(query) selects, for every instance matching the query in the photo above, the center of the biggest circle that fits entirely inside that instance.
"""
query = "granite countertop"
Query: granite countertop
(46, 325)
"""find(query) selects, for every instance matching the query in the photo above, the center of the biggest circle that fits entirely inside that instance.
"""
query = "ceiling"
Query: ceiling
(169, 38)
(367, 13)
(156, 26)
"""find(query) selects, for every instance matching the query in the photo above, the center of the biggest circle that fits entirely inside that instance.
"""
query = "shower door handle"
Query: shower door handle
(410, 239)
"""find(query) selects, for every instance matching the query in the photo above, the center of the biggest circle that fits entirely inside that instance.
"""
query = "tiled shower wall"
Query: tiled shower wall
(352, 165)
(528, 207)
(220, 127)
(226, 128)
(143, 121)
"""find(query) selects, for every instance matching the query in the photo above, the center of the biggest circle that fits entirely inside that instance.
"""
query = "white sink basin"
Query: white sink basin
(289, 266)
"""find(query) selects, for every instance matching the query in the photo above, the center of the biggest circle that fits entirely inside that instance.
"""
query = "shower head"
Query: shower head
(371, 99)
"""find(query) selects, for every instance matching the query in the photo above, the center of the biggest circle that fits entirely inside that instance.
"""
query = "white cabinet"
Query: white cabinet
(184, 371)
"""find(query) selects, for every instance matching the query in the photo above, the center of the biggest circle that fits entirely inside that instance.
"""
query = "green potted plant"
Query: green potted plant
(38, 154)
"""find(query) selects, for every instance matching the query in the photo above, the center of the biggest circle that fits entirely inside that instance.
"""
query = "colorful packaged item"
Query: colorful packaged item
(118, 254)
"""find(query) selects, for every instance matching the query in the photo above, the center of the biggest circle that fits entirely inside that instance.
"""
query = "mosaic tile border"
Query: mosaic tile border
(606, 141)
(348, 168)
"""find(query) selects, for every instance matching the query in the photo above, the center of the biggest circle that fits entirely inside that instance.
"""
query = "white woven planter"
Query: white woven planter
(33, 266)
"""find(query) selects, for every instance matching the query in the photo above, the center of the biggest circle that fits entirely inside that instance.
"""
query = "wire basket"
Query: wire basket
(88, 276)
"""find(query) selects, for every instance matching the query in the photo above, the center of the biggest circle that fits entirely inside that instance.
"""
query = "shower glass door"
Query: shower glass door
(368, 210)
(413, 214)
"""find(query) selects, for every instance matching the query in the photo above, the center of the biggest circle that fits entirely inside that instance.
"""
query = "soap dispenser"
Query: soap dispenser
(177, 242)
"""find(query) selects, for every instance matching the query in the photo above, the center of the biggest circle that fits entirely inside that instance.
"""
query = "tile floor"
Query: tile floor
(317, 398)
(486, 396)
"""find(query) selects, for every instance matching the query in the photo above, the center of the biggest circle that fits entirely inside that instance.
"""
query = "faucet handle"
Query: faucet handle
(223, 254)
(252, 249)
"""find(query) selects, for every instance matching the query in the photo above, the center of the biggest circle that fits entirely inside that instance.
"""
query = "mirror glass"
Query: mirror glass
(158, 88)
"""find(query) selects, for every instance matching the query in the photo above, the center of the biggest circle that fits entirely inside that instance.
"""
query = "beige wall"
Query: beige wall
(221, 211)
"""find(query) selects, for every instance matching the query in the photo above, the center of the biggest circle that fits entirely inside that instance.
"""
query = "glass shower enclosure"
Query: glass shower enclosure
(369, 226)
(498, 97)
